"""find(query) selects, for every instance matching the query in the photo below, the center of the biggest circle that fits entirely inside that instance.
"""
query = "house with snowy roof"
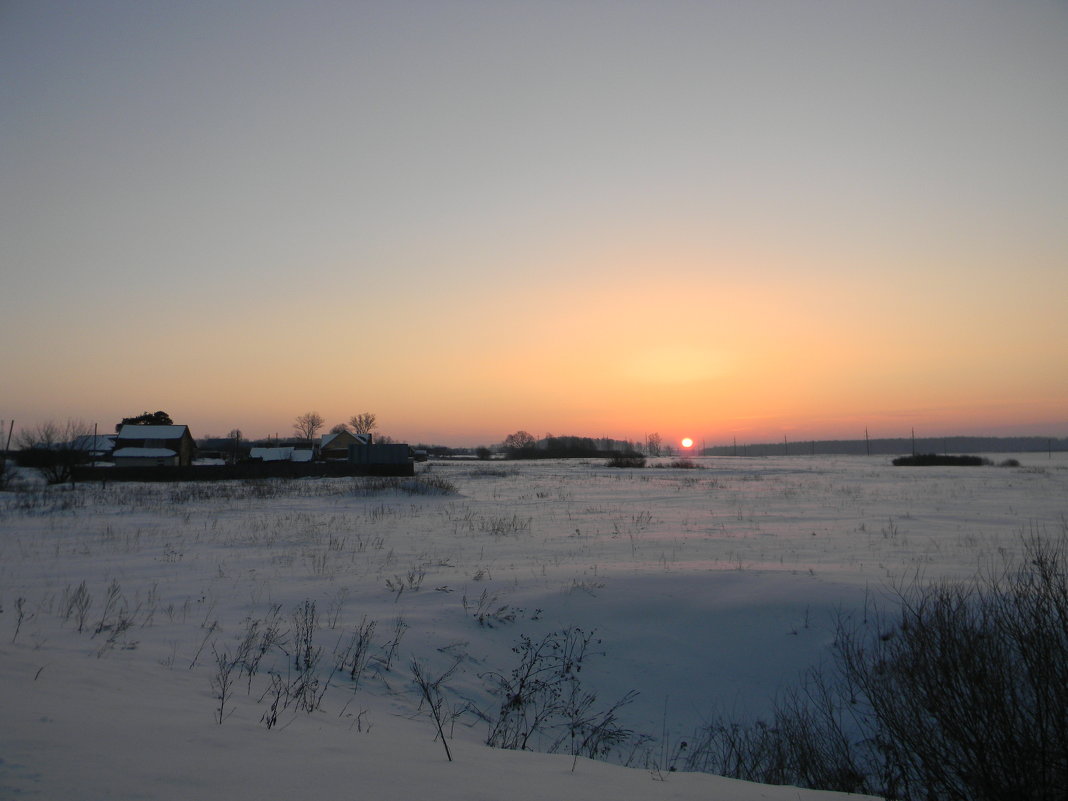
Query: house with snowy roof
(140, 446)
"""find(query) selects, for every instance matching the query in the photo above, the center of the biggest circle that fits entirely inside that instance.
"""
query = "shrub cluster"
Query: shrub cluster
(625, 460)
(962, 695)
(542, 701)
(936, 460)
(418, 485)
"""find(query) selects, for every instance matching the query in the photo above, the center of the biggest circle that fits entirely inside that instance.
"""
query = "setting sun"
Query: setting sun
(687, 442)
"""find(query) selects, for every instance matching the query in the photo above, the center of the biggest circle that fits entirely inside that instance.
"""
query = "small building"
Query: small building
(380, 454)
(285, 453)
(138, 446)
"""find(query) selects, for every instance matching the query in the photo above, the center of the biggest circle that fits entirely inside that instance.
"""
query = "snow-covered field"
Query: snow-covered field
(705, 590)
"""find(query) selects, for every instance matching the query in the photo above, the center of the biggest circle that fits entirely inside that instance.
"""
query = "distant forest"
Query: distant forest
(894, 447)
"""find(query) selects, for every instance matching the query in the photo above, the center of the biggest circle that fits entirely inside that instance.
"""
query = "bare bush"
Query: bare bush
(625, 460)
(488, 611)
(222, 681)
(542, 702)
(76, 603)
(306, 688)
(353, 659)
(806, 743)
(20, 608)
(418, 485)
(432, 694)
(400, 625)
(961, 695)
(53, 448)
(7, 472)
(968, 692)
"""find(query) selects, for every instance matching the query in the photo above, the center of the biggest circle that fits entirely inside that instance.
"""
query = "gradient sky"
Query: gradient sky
(717, 219)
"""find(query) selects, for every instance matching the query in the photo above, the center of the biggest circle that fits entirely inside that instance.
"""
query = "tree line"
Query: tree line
(523, 445)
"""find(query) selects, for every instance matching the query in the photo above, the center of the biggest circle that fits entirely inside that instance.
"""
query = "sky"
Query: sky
(725, 220)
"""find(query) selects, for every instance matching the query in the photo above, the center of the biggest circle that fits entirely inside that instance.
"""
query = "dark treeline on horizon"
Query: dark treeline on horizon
(593, 447)
(564, 447)
(893, 446)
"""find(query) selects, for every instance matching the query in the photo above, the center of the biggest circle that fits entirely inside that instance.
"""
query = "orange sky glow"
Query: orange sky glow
(473, 219)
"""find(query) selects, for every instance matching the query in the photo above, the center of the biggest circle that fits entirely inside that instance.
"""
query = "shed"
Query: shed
(380, 454)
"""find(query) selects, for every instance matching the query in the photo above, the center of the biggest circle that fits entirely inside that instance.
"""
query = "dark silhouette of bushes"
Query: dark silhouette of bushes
(684, 464)
(625, 460)
(541, 701)
(52, 448)
(935, 460)
(962, 695)
(522, 445)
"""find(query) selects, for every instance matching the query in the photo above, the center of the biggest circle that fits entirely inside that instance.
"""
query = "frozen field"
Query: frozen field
(706, 590)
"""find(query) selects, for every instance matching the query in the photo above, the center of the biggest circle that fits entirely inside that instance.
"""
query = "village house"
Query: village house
(140, 446)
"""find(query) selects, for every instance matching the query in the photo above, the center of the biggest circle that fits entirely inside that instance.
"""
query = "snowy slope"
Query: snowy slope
(708, 590)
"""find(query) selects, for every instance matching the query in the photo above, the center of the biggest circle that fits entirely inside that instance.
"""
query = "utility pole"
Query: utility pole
(7, 446)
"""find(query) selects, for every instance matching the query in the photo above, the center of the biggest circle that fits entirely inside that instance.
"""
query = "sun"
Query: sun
(687, 442)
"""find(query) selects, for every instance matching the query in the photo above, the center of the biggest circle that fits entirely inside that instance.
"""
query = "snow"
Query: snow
(709, 590)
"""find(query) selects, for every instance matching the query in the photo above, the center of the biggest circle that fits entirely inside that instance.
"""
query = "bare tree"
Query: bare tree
(56, 448)
(340, 428)
(519, 441)
(5, 473)
(653, 444)
(308, 425)
(235, 444)
(363, 423)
